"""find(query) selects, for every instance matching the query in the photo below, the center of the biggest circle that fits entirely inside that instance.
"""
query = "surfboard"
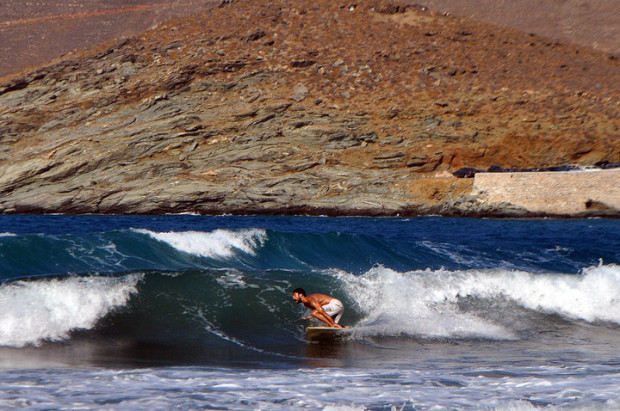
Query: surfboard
(325, 333)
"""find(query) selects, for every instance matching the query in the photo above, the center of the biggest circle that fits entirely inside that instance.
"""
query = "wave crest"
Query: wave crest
(48, 310)
(435, 303)
(216, 244)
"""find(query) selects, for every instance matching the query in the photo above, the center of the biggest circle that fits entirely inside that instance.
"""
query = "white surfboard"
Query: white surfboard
(323, 333)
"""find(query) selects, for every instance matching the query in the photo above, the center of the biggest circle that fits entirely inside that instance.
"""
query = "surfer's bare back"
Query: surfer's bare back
(325, 308)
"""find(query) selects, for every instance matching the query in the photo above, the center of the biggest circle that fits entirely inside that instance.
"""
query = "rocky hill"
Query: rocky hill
(317, 107)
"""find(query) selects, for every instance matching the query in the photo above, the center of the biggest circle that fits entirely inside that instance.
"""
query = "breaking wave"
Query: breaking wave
(216, 244)
(183, 284)
(248, 309)
(48, 310)
(496, 304)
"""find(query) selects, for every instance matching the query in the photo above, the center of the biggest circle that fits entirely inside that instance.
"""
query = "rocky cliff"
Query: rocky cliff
(317, 107)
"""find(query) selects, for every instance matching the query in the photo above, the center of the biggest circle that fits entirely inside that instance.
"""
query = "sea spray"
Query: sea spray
(431, 303)
(35, 311)
(216, 244)
(414, 304)
(592, 296)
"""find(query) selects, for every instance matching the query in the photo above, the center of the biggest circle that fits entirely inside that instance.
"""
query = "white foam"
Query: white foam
(215, 244)
(317, 388)
(8, 235)
(34, 311)
(592, 296)
(426, 302)
(232, 279)
(414, 303)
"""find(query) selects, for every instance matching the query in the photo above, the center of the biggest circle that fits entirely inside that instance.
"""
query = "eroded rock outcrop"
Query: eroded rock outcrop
(319, 107)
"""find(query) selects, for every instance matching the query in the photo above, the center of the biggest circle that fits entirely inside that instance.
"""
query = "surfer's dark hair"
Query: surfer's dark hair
(299, 291)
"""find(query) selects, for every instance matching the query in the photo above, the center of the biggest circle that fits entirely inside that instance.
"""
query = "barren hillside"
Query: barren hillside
(301, 107)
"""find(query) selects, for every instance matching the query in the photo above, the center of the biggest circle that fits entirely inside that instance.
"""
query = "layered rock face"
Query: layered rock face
(311, 107)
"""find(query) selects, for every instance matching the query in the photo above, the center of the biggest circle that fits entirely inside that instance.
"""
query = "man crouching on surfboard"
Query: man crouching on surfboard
(325, 308)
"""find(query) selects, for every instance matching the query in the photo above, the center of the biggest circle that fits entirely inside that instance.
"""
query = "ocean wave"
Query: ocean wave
(219, 243)
(494, 304)
(250, 309)
(48, 310)
(413, 303)
(592, 296)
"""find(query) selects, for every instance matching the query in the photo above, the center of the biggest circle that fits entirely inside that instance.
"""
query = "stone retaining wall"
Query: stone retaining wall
(569, 192)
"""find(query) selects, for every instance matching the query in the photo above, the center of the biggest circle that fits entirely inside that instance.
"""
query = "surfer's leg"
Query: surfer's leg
(337, 317)
(323, 317)
(334, 309)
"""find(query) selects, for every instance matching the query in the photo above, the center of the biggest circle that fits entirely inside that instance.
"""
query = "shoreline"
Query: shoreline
(519, 195)
(499, 213)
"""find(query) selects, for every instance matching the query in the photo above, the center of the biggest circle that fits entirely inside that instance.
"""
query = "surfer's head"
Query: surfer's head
(298, 293)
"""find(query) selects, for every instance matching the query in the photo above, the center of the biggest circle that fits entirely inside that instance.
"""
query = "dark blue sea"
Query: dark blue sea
(188, 312)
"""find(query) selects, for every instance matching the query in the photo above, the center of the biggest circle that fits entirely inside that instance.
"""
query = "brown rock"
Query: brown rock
(204, 115)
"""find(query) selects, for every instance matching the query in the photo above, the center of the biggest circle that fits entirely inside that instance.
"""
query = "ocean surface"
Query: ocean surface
(187, 312)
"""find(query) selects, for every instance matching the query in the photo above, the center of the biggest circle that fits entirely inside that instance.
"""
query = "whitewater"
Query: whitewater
(129, 312)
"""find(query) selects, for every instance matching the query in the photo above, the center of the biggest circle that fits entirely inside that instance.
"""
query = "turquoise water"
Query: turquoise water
(190, 311)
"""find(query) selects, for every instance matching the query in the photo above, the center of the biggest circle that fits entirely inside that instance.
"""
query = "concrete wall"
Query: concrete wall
(565, 192)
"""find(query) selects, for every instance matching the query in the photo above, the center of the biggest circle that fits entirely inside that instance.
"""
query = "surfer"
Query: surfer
(325, 308)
